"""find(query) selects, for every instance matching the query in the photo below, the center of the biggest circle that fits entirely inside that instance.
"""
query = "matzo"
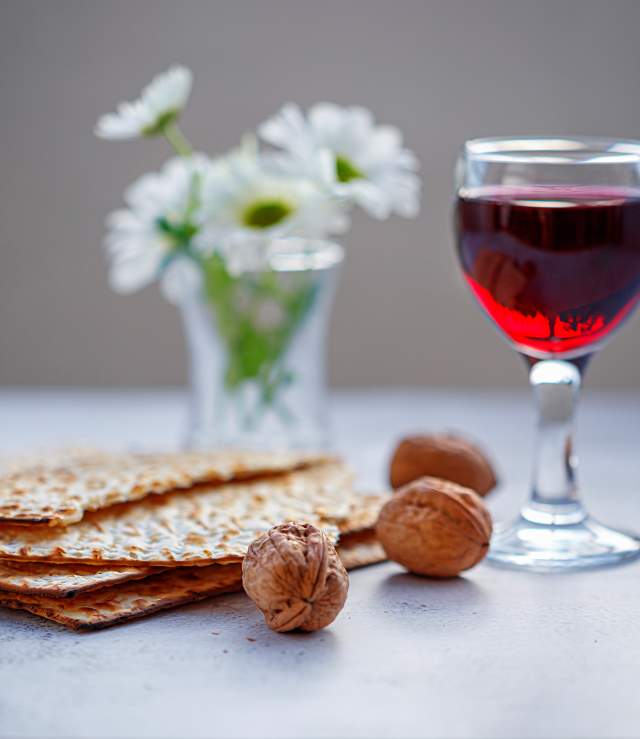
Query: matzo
(119, 603)
(60, 494)
(63, 581)
(198, 526)
(178, 586)
(361, 549)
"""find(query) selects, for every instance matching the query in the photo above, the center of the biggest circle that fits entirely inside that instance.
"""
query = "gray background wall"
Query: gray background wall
(442, 71)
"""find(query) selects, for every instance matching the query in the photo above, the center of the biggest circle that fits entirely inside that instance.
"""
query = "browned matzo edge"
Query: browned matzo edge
(60, 492)
(124, 602)
(198, 527)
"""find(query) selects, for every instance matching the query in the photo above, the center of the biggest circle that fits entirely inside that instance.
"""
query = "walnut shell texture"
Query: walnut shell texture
(447, 456)
(435, 527)
(295, 577)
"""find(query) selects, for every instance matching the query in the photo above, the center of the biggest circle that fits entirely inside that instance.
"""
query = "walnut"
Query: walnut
(447, 456)
(434, 527)
(295, 577)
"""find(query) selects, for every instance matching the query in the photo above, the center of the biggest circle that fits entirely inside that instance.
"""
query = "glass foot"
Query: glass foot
(544, 548)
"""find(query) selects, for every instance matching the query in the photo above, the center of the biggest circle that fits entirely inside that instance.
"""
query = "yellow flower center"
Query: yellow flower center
(346, 170)
(266, 213)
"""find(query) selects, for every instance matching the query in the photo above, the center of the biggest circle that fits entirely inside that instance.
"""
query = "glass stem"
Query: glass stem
(554, 496)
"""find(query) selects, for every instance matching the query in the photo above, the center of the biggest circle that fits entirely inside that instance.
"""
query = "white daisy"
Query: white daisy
(343, 149)
(152, 238)
(158, 106)
(249, 206)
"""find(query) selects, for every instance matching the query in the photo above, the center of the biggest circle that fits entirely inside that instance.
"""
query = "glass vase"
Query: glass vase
(256, 336)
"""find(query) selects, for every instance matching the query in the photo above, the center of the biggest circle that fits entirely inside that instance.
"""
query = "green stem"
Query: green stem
(177, 139)
(255, 352)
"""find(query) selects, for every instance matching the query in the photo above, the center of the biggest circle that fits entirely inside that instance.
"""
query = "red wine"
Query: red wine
(556, 267)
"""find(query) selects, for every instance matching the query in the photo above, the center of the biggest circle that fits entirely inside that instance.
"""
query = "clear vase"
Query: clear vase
(256, 337)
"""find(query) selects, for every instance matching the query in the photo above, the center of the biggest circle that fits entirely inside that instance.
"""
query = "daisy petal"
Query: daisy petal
(180, 280)
(164, 218)
(133, 271)
(287, 127)
(369, 196)
(345, 152)
(164, 97)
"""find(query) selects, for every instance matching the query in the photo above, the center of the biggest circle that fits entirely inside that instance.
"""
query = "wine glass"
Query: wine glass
(548, 234)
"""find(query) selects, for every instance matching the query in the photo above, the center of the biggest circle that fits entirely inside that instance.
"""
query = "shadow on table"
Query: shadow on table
(403, 596)
(238, 628)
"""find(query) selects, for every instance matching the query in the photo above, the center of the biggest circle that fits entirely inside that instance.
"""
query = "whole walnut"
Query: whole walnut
(442, 455)
(295, 577)
(434, 527)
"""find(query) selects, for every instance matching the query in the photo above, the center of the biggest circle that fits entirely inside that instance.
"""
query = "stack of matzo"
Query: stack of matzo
(103, 538)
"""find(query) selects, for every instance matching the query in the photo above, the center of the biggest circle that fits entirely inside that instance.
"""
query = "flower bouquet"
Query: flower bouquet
(241, 244)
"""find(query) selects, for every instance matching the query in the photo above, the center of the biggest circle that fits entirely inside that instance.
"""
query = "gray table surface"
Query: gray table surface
(493, 654)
